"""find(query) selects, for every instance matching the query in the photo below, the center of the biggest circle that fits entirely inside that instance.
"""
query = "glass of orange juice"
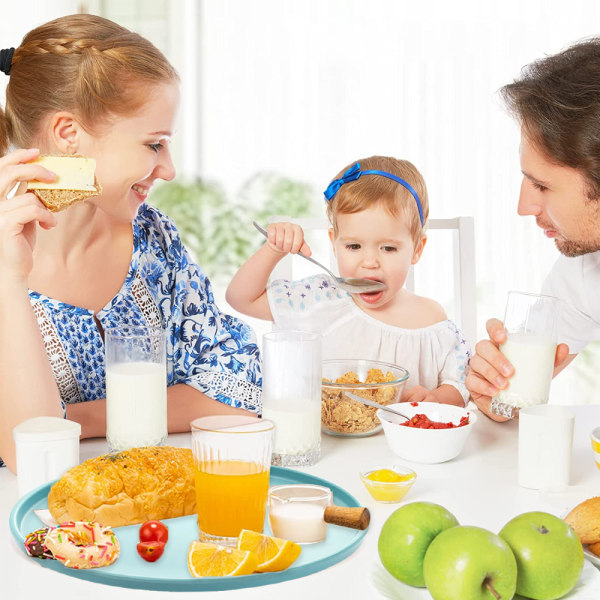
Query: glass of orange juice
(232, 458)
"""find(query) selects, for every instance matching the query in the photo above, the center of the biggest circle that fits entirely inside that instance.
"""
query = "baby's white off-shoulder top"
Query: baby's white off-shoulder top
(434, 355)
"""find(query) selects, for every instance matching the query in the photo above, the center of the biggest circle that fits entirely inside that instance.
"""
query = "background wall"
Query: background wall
(303, 88)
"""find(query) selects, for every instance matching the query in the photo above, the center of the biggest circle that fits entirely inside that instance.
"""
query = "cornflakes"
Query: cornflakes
(341, 414)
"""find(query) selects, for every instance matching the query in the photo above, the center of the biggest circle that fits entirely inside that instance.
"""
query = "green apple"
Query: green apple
(470, 563)
(405, 536)
(549, 555)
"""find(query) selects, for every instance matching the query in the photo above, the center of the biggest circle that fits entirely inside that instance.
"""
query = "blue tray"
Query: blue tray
(170, 572)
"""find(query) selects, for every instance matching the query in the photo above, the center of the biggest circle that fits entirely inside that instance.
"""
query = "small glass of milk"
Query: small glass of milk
(136, 387)
(296, 512)
(531, 326)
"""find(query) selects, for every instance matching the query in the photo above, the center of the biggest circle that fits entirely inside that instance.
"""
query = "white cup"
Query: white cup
(46, 447)
(545, 446)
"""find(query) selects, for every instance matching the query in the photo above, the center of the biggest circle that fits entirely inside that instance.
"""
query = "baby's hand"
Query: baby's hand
(287, 238)
(418, 394)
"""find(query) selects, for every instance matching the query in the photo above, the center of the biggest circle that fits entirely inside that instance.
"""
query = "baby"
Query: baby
(378, 209)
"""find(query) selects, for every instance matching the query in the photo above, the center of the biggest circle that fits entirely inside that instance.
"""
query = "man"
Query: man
(556, 101)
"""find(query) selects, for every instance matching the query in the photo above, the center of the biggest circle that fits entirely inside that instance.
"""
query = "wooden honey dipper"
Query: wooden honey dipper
(355, 517)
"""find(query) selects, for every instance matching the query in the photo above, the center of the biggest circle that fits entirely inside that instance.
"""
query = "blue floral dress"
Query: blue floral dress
(213, 352)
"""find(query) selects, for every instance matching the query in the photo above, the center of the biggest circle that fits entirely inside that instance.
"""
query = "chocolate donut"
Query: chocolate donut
(35, 544)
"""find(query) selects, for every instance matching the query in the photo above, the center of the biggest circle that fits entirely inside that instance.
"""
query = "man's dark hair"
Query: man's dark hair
(557, 102)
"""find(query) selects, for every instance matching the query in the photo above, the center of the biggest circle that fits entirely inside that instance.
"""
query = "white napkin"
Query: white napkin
(45, 517)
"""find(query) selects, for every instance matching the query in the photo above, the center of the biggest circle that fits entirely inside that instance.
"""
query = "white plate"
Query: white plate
(587, 588)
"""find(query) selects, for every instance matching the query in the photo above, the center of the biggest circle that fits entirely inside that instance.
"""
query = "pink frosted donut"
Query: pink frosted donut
(83, 544)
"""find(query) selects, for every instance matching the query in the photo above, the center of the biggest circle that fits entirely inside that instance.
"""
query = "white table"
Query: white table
(479, 487)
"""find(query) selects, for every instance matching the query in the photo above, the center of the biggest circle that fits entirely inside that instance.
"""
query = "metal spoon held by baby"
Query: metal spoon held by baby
(376, 405)
(353, 285)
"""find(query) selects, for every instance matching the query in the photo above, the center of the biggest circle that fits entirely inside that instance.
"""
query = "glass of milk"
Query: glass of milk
(296, 512)
(531, 326)
(136, 387)
(291, 395)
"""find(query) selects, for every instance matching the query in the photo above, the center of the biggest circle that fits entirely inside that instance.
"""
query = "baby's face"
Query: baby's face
(373, 244)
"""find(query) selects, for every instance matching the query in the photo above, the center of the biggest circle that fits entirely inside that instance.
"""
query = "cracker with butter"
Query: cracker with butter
(76, 181)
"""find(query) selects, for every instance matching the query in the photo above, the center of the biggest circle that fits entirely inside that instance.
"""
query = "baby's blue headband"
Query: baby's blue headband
(354, 172)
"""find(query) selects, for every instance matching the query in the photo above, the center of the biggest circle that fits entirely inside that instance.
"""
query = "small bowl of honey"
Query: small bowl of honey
(388, 483)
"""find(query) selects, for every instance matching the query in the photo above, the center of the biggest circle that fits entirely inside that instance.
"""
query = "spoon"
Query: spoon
(353, 285)
(376, 405)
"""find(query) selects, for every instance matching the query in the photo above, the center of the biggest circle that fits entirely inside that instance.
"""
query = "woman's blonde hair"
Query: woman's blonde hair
(370, 190)
(82, 64)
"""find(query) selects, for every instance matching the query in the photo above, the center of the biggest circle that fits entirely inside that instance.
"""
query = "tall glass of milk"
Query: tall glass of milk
(136, 387)
(531, 326)
(291, 395)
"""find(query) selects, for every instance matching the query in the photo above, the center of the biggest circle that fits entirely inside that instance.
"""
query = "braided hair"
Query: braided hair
(80, 63)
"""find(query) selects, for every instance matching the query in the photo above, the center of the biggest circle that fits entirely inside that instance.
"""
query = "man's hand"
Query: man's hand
(489, 370)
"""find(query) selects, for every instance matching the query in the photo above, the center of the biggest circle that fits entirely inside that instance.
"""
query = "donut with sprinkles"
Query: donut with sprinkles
(83, 544)
(35, 544)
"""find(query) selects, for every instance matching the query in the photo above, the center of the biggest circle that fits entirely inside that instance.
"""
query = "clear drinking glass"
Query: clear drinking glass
(531, 325)
(232, 460)
(296, 512)
(136, 387)
(291, 395)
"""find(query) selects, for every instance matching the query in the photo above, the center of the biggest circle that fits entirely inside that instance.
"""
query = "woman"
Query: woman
(84, 85)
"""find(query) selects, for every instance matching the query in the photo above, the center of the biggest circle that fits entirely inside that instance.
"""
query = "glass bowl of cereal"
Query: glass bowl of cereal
(378, 381)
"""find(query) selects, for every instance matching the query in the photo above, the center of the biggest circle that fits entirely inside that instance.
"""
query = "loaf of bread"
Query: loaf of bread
(585, 520)
(128, 487)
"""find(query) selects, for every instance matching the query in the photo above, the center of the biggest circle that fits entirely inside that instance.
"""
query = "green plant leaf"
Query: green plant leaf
(217, 231)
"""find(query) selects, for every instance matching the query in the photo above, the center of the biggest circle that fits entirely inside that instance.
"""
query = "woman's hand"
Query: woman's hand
(287, 238)
(20, 214)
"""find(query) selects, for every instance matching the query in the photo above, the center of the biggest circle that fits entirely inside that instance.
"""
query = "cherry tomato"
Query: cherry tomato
(154, 531)
(151, 551)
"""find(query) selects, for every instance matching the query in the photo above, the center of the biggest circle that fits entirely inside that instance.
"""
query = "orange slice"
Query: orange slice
(273, 554)
(212, 560)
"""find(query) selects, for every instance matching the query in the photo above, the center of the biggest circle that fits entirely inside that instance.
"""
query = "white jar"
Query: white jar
(46, 447)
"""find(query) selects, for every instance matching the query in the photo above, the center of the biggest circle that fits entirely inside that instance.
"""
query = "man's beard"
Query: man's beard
(571, 248)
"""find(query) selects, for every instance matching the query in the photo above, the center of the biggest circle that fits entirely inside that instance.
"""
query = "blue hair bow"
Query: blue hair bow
(354, 172)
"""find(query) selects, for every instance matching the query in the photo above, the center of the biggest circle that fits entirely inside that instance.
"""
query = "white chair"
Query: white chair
(463, 310)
